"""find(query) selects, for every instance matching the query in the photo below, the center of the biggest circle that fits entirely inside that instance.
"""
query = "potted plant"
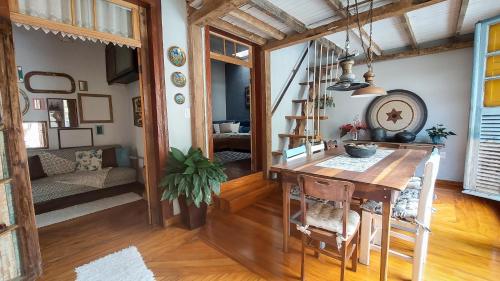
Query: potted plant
(191, 178)
(438, 133)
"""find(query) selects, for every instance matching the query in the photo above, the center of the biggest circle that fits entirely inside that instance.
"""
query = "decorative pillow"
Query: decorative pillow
(122, 157)
(109, 158)
(54, 165)
(89, 160)
(217, 128)
(244, 129)
(235, 128)
(226, 127)
(36, 168)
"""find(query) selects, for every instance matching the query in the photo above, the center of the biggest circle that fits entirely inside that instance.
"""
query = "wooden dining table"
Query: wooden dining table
(382, 182)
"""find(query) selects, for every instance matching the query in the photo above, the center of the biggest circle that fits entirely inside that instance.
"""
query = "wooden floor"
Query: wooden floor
(172, 254)
(238, 169)
(464, 245)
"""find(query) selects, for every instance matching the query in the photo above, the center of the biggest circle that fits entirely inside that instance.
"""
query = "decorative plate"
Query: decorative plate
(179, 98)
(176, 56)
(399, 110)
(25, 101)
(178, 79)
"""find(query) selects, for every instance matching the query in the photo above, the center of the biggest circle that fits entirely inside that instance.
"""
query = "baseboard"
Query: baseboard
(451, 185)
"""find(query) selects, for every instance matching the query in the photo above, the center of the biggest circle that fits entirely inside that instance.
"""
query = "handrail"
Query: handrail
(292, 76)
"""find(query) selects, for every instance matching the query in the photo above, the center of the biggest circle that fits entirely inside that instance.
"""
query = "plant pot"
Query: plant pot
(437, 140)
(192, 217)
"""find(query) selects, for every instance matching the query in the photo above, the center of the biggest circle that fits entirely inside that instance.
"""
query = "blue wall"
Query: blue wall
(237, 78)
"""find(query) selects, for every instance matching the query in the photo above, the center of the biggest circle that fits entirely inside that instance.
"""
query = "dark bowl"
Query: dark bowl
(360, 151)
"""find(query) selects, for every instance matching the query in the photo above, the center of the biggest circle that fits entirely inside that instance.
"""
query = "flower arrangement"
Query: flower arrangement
(352, 128)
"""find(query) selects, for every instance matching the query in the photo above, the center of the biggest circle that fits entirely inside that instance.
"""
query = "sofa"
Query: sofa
(50, 192)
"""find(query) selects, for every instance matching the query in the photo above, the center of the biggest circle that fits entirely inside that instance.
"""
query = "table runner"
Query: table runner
(348, 163)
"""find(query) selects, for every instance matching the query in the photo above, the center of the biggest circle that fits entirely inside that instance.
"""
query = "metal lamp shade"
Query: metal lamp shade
(371, 90)
(347, 79)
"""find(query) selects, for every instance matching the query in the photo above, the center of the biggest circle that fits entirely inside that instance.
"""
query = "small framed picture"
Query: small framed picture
(247, 97)
(38, 104)
(83, 85)
(20, 74)
(137, 111)
(99, 130)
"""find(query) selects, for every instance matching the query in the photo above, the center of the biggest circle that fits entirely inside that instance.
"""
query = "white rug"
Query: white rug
(125, 265)
(79, 210)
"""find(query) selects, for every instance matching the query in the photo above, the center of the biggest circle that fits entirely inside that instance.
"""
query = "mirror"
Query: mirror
(63, 113)
(36, 134)
(57, 83)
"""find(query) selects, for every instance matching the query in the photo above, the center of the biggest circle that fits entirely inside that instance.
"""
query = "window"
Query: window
(36, 134)
(220, 45)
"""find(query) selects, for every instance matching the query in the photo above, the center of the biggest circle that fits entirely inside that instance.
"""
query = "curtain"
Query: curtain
(54, 10)
(114, 19)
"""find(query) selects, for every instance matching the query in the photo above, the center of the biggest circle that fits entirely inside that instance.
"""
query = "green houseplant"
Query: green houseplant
(191, 178)
(438, 133)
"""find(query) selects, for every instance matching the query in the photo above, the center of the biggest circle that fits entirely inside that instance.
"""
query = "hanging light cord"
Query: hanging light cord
(347, 41)
(368, 51)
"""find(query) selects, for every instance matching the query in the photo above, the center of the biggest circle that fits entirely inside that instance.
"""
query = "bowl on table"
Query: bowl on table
(360, 150)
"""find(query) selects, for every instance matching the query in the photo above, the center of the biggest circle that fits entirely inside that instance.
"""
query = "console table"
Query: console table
(411, 145)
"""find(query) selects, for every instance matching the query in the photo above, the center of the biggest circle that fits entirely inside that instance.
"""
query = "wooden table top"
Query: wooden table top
(392, 172)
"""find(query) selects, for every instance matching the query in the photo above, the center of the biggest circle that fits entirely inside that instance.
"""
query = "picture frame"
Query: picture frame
(95, 108)
(29, 83)
(62, 113)
(75, 137)
(99, 130)
(137, 111)
(38, 104)
(247, 97)
(83, 85)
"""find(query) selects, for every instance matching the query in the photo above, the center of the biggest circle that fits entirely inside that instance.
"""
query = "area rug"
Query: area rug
(79, 210)
(124, 265)
(231, 156)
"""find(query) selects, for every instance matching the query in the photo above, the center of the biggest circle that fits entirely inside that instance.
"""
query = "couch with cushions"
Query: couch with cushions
(232, 135)
(66, 177)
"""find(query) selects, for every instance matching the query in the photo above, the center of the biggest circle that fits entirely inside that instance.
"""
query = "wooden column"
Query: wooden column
(265, 63)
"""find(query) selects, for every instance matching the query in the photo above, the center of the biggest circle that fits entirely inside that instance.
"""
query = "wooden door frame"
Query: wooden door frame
(155, 133)
(256, 102)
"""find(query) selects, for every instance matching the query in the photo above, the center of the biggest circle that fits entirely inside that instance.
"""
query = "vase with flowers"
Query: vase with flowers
(352, 128)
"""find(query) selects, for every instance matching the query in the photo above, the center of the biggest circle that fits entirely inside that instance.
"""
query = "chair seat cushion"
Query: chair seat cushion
(405, 208)
(328, 217)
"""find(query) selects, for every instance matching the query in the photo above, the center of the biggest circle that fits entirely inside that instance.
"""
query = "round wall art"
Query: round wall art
(399, 110)
(179, 98)
(178, 79)
(176, 56)
(24, 102)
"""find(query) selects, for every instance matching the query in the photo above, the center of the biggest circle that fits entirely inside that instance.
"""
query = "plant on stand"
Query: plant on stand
(191, 178)
(438, 133)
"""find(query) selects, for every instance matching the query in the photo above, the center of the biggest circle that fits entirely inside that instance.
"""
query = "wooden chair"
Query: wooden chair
(417, 224)
(324, 223)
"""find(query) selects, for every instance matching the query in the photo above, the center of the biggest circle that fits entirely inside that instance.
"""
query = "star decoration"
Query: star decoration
(394, 115)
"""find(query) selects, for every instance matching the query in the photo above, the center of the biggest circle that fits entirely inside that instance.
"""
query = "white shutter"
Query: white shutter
(488, 168)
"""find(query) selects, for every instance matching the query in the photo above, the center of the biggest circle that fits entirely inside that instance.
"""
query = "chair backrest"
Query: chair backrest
(294, 153)
(427, 193)
(326, 189)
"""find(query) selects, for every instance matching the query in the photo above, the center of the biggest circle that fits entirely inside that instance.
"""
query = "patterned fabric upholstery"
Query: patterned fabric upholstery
(54, 165)
(89, 160)
(328, 217)
(406, 206)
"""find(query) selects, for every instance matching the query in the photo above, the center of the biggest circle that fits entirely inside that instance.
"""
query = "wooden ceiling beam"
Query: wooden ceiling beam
(395, 9)
(338, 7)
(461, 16)
(257, 23)
(273, 11)
(214, 9)
(238, 31)
(405, 21)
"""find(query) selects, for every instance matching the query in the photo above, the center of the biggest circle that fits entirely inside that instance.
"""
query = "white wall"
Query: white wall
(174, 19)
(218, 79)
(442, 80)
(136, 134)
(37, 51)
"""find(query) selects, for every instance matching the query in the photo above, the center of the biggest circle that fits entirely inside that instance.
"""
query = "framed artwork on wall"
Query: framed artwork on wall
(83, 85)
(34, 80)
(137, 111)
(95, 108)
(99, 130)
(62, 113)
(75, 137)
(247, 97)
(38, 104)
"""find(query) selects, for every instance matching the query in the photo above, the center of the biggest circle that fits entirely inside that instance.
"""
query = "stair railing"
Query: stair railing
(292, 76)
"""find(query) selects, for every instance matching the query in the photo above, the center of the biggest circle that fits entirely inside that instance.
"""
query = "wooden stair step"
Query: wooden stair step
(277, 153)
(247, 195)
(322, 81)
(296, 136)
(299, 101)
(237, 183)
(300, 117)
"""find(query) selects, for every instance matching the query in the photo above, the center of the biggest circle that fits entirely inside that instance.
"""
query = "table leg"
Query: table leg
(286, 214)
(386, 228)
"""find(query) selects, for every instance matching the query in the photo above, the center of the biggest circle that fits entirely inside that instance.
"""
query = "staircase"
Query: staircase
(309, 113)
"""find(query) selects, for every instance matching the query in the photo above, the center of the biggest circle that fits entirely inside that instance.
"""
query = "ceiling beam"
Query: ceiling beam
(387, 11)
(461, 17)
(238, 31)
(444, 46)
(405, 21)
(330, 45)
(214, 9)
(257, 23)
(338, 7)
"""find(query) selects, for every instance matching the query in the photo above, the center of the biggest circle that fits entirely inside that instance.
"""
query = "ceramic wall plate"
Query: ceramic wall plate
(178, 79)
(179, 98)
(176, 56)
(398, 111)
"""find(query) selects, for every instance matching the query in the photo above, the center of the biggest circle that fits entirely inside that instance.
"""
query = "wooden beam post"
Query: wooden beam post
(264, 27)
(238, 31)
(405, 21)
(461, 15)
(213, 9)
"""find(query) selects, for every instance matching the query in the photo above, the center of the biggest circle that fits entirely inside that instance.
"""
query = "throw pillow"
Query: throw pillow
(216, 128)
(122, 157)
(36, 168)
(55, 165)
(235, 128)
(226, 127)
(89, 160)
(109, 157)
